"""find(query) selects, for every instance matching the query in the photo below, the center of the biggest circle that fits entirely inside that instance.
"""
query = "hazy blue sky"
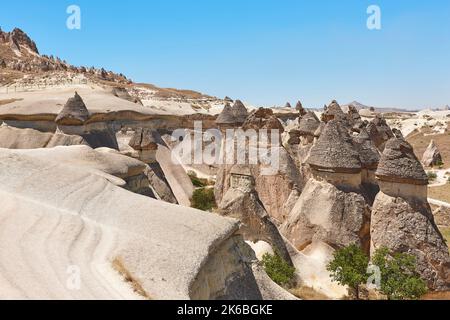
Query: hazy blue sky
(262, 51)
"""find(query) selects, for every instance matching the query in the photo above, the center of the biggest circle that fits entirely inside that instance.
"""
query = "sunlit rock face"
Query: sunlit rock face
(402, 220)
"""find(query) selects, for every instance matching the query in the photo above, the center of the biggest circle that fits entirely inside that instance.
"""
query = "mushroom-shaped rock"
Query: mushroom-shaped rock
(242, 202)
(240, 112)
(333, 111)
(308, 124)
(399, 164)
(228, 99)
(334, 151)
(74, 112)
(432, 156)
(226, 117)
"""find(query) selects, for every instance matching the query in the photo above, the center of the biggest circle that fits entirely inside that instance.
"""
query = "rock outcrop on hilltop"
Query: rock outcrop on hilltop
(73, 120)
(331, 207)
(432, 156)
(122, 93)
(241, 201)
(402, 220)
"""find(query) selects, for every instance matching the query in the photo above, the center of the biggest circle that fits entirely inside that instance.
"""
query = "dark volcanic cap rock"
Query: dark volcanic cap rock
(263, 118)
(368, 152)
(74, 112)
(143, 139)
(308, 124)
(333, 111)
(240, 112)
(226, 116)
(334, 150)
(399, 164)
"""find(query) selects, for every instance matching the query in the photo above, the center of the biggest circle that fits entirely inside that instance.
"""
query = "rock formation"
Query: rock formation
(73, 120)
(240, 112)
(379, 131)
(226, 117)
(241, 201)
(273, 187)
(288, 105)
(15, 138)
(370, 157)
(432, 157)
(110, 234)
(331, 208)
(333, 111)
(300, 109)
(145, 144)
(74, 112)
(261, 119)
(401, 216)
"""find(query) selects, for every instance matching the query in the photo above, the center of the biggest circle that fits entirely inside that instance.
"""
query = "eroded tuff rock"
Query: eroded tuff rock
(169, 252)
(73, 120)
(331, 207)
(401, 216)
(232, 116)
(241, 201)
(324, 213)
(14, 138)
(407, 225)
(263, 119)
(400, 165)
(335, 150)
(432, 157)
(333, 112)
(122, 93)
(74, 113)
(300, 109)
(379, 131)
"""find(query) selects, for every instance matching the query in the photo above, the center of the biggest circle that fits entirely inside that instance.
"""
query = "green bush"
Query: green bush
(196, 181)
(399, 278)
(203, 199)
(278, 269)
(432, 176)
(349, 267)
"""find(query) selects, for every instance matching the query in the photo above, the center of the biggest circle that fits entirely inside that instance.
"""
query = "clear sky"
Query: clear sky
(262, 51)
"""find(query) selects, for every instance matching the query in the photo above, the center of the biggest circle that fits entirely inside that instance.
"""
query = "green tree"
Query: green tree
(349, 267)
(278, 269)
(399, 278)
(203, 199)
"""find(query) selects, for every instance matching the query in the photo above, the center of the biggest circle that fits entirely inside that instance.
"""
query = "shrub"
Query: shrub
(399, 278)
(432, 176)
(203, 199)
(278, 269)
(196, 181)
(349, 267)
